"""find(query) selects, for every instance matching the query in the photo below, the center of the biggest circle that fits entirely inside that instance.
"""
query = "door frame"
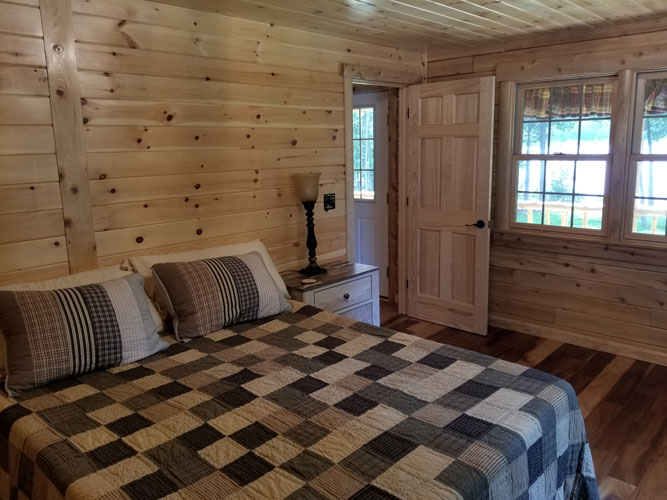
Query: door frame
(396, 81)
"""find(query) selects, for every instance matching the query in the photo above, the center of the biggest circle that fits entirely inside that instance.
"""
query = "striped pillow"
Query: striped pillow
(54, 334)
(207, 295)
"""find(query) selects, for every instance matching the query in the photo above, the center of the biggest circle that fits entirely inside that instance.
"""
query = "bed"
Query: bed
(302, 405)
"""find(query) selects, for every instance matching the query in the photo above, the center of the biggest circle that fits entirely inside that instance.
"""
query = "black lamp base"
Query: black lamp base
(312, 270)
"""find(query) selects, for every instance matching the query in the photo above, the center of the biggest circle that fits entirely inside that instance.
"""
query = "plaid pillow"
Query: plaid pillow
(207, 295)
(54, 334)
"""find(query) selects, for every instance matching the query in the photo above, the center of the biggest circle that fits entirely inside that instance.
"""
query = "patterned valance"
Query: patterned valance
(655, 97)
(587, 101)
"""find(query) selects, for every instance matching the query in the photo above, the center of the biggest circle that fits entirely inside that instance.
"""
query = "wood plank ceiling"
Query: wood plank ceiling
(443, 25)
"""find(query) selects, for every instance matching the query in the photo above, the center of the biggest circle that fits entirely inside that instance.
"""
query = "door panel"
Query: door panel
(449, 135)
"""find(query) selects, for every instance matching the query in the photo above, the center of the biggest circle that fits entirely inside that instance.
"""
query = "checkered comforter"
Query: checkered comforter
(303, 405)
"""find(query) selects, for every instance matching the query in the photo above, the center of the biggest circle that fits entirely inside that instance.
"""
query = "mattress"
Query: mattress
(303, 405)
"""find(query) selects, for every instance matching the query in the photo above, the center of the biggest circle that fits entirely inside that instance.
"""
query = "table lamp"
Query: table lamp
(307, 189)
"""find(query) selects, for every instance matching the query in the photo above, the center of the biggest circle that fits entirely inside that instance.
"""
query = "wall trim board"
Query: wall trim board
(57, 24)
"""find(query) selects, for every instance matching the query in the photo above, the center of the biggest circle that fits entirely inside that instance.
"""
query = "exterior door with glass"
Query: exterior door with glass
(371, 150)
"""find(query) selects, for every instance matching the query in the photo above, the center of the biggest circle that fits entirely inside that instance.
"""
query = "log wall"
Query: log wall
(191, 125)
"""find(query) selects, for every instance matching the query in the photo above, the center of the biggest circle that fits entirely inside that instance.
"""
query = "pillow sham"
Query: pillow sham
(77, 279)
(54, 334)
(207, 295)
(144, 264)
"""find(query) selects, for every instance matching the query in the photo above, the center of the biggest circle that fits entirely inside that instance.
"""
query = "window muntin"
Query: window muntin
(363, 143)
(648, 161)
(562, 155)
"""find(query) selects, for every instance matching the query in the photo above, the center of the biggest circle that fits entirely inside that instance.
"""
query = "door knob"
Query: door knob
(479, 224)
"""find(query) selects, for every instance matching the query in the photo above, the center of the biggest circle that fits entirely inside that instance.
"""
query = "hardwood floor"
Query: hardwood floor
(624, 402)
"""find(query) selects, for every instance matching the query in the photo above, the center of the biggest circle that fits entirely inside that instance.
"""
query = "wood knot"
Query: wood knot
(170, 117)
(67, 221)
(103, 176)
(56, 243)
(112, 190)
(199, 232)
(196, 137)
(57, 48)
(197, 186)
(294, 142)
(60, 92)
(122, 23)
(140, 239)
(74, 189)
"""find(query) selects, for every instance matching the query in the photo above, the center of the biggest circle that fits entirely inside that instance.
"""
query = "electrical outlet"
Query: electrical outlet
(329, 201)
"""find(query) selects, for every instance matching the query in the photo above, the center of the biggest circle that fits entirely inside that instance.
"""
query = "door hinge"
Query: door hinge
(387, 271)
(407, 201)
(407, 284)
(387, 198)
(408, 113)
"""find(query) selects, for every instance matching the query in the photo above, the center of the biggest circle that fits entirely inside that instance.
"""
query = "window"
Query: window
(363, 133)
(648, 162)
(562, 156)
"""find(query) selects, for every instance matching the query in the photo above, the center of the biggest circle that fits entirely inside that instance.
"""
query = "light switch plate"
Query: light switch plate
(329, 201)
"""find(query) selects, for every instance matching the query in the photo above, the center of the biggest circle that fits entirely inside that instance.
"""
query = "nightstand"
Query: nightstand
(348, 289)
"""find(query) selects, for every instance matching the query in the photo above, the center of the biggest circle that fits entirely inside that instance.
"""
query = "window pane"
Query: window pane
(597, 100)
(565, 102)
(651, 179)
(649, 216)
(557, 210)
(367, 185)
(590, 177)
(654, 135)
(535, 138)
(559, 177)
(564, 137)
(357, 185)
(655, 97)
(355, 124)
(595, 137)
(367, 158)
(588, 212)
(366, 123)
(530, 176)
(529, 208)
(356, 154)
(536, 104)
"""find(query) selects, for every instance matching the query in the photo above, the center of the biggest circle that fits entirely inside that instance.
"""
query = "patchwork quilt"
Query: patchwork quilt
(304, 405)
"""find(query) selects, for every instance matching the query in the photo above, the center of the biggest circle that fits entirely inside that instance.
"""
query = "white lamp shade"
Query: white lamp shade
(307, 186)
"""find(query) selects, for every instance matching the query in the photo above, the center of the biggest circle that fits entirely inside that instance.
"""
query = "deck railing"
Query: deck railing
(564, 209)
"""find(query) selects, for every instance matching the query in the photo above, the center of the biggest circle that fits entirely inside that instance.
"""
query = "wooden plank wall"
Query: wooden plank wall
(194, 124)
(604, 296)
(32, 233)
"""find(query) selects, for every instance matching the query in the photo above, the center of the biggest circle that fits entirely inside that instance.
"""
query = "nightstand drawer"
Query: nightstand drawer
(362, 313)
(344, 295)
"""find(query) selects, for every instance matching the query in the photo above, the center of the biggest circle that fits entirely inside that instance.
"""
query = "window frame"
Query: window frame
(516, 156)
(635, 157)
(354, 170)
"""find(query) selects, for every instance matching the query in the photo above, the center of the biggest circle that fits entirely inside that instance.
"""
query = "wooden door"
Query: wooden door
(449, 141)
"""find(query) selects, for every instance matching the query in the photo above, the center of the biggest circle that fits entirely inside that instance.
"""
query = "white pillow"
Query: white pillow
(144, 264)
(73, 280)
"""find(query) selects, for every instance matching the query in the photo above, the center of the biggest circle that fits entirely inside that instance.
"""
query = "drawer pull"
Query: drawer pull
(346, 296)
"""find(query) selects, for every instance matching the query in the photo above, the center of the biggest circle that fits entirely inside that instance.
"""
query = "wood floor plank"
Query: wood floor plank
(624, 401)
(613, 489)
(602, 384)
(537, 355)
